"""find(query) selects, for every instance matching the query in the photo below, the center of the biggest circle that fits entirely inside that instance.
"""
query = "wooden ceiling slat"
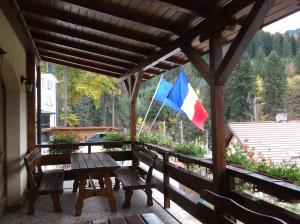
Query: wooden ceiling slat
(97, 65)
(78, 66)
(68, 17)
(87, 36)
(84, 55)
(83, 46)
(205, 26)
(111, 9)
(191, 7)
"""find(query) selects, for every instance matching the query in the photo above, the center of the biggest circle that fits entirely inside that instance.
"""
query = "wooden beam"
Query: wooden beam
(73, 18)
(173, 47)
(125, 14)
(127, 86)
(196, 59)
(88, 36)
(252, 24)
(104, 67)
(30, 101)
(78, 66)
(38, 105)
(191, 7)
(12, 13)
(133, 122)
(136, 87)
(84, 55)
(85, 47)
(217, 119)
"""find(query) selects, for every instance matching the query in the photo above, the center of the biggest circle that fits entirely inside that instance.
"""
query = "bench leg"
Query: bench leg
(75, 185)
(128, 195)
(117, 184)
(56, 202)
(149, 196)
(31, 202)
(110, 193)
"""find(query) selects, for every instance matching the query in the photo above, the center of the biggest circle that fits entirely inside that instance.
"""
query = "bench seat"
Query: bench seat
(51, 182)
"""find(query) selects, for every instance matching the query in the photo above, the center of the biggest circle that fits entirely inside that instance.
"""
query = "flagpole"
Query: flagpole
(157, 115)
(143, 123)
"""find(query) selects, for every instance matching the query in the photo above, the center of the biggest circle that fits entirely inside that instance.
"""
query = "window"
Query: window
(49, 84)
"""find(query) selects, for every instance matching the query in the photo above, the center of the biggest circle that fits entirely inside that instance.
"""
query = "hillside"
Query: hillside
(296, 31)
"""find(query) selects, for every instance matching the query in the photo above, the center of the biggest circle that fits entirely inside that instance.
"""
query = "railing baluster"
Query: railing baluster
(89, 149)
(166, 180)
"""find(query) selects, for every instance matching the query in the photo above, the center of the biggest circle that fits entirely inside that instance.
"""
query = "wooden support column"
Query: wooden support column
(39, 104)
(217, 118)
(30, 101)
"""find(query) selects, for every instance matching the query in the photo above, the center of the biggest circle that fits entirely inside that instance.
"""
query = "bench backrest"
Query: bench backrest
(33, 166)
(148, 157)
(228, 206)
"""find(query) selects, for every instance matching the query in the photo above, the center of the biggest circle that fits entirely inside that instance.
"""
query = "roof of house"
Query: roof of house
(119, 38)
(275, 140)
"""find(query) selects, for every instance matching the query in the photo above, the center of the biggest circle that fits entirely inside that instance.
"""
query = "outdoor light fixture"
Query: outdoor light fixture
(27, 83)
(2, 53)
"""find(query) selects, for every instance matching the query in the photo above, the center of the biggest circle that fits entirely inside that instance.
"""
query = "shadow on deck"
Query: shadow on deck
(95, 208)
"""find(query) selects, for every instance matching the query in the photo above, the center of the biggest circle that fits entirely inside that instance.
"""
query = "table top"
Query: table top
(86, 162)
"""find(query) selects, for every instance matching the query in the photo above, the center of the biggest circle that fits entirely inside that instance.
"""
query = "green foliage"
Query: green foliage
(293, 97)
(192, 149)
(72, 118)
(157, 139)
(116, 136)
(297, 62)
(68, 138)
(243, 156)
(275, 81)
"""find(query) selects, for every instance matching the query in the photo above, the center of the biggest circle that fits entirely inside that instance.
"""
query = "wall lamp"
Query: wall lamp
(28, 84)
(2, 53)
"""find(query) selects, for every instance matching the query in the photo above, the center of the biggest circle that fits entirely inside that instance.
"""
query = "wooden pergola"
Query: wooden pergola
(135, 40)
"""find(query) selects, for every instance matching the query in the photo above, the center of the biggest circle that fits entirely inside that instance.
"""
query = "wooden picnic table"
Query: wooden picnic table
(84, 164)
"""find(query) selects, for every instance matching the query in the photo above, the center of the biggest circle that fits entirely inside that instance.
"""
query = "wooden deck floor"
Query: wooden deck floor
(94, 208)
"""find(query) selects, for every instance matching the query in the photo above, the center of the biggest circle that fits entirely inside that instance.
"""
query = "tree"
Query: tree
(297, 62)
(277, 43)
(275, 86)
(293, 97)
(237, 90)
(286, 46)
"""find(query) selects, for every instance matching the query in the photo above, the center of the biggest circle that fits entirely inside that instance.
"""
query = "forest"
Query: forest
(265, 82)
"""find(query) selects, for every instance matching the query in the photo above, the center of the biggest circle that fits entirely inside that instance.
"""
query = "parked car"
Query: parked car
(99, 137)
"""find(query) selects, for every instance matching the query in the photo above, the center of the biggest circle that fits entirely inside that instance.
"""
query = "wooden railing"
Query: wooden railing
(197, 182)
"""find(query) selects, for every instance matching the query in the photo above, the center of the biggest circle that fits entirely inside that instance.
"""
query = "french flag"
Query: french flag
(183, 95)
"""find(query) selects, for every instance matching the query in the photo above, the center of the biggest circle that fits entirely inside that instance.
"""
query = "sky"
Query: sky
(288, 23)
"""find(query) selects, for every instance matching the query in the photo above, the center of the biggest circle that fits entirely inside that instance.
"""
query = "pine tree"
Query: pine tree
(286, 46)
(297, 62)
(275, 86)
(237, 89)
(277, 43)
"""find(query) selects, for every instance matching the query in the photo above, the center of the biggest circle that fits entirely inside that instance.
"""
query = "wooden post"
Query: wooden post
(30, 99)
(39, 103)
(166, 181)
(132, 123)
(217, 118)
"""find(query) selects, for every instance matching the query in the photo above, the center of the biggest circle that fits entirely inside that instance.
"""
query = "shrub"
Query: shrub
(68, 138)
(192, 149)
(156, 139)
(116, 136)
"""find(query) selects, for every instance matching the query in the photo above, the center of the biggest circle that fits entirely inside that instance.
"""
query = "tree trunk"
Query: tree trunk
(113, 111)
(65, 96)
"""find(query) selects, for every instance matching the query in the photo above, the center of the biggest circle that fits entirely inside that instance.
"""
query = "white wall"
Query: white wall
(14, 65)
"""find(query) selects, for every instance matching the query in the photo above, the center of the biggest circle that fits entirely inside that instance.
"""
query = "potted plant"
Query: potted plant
(63, 143)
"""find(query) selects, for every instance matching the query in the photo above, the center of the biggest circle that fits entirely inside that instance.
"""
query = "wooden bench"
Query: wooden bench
(131, 180)
(146, 218)
(223, 205)
(42, 183)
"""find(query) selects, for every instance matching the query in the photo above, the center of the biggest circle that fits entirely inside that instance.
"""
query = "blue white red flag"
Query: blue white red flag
(162, 93)
(183, 95)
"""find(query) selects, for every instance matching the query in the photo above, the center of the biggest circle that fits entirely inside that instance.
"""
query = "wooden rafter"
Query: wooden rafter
(76, 19)
(246, 33)
(186, 38)
(115, 11)
(78, 66)
(196, 58)
(84, 55)
(67, 31)
(76, 60)
(85, 46)
(136, 87)
(193, 7)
